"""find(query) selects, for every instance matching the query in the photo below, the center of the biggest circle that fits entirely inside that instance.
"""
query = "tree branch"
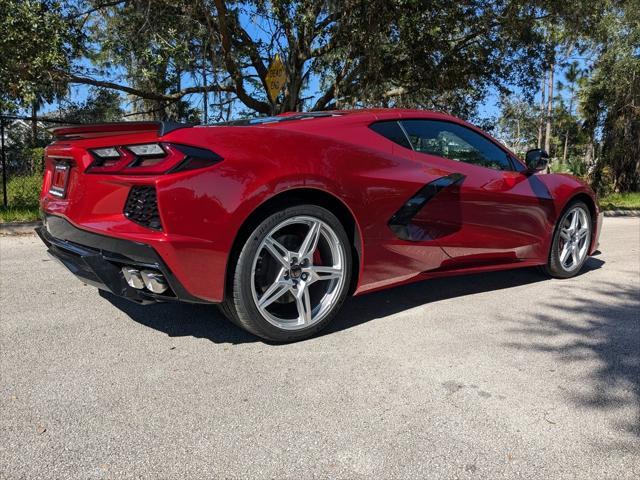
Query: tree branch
(171, 97)
(95, 9)
(330, 93)
(230, 63)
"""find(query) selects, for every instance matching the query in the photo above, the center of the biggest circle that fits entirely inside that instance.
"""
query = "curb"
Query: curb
(18, 228)
(622, 213)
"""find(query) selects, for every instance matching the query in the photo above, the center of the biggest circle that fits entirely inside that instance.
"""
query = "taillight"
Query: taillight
(148, 150)
(150, 158)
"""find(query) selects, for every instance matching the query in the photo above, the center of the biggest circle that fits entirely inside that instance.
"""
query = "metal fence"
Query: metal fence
(21, 149)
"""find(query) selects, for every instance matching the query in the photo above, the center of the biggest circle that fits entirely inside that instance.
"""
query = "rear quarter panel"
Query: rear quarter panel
(355, 165)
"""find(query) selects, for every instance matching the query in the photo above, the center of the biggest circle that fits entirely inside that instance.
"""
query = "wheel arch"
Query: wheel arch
(589, 201)
(310, 195)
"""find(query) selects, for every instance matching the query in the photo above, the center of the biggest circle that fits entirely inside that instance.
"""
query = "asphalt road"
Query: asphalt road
(494, 376)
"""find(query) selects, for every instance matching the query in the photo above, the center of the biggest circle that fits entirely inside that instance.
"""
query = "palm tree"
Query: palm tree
(573, 75)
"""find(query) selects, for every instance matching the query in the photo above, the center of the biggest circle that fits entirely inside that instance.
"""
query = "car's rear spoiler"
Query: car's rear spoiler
(116, 128)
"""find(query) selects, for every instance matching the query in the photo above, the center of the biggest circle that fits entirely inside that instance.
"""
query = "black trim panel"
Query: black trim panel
(169, 126)
(194, 158)
(98, 259)
(400, 222)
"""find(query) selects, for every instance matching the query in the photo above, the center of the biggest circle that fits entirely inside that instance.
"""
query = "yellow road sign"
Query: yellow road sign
(276, 78)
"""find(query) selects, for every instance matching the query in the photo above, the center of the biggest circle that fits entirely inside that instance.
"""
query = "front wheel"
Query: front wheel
(571, 241)
(292, 275)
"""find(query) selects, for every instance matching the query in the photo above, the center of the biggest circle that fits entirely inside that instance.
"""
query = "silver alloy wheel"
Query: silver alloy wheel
(295, 273)
(575, 237)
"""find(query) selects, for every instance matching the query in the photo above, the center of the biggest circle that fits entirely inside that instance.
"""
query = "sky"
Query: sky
(489, 108)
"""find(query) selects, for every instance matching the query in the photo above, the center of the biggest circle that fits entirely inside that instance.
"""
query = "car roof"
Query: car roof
(300, 120)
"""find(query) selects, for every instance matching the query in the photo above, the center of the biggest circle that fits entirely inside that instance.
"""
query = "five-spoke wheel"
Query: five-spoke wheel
(293, 274)
(300, 263)
(571, 241)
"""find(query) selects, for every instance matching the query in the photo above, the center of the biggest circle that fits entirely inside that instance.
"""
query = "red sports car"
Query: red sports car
(278, 219)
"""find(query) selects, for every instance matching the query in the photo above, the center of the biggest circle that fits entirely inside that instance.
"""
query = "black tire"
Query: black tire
(554, 267)
(239, 305)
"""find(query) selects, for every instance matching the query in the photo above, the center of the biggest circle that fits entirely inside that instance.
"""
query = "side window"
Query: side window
(392, 131)
(455, 142)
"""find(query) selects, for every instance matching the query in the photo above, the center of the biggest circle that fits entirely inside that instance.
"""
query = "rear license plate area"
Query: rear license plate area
(60, 179)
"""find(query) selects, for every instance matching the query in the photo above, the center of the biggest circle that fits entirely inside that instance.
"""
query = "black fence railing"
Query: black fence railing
(12, 159)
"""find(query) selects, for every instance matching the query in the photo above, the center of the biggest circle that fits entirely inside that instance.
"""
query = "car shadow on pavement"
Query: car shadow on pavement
(205, 321)
(365, 308)
(601, 329)
(183, 320)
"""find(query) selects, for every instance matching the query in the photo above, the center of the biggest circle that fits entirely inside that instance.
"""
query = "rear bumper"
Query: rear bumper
(98, 260)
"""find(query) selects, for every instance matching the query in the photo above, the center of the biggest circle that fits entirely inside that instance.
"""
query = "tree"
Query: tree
(406, 53)
(35, 46)
(101, 106)
(518, 124)
(573, 74)
(610, 98)
(436, 54)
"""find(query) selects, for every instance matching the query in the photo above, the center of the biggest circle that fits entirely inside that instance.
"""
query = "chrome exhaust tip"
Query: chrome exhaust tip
(133, 277)
(154, 281)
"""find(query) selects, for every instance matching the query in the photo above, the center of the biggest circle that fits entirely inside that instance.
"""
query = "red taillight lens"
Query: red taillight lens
(151, 159)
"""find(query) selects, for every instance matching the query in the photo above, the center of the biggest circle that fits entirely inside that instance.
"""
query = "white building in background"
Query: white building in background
(19, 128)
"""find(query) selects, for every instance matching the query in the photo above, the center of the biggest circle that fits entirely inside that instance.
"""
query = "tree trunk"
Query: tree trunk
(543, 87)
(588, 154)
(566, 136)
(34, 123)
(547, 140)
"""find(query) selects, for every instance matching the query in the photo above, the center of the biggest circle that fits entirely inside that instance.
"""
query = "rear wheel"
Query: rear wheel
(292, 275)
(571, 241)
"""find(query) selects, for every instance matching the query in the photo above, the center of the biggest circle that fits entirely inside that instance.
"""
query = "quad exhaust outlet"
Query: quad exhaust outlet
(140, 279)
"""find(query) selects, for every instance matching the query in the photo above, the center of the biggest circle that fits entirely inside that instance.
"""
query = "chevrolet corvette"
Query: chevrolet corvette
(278, 219)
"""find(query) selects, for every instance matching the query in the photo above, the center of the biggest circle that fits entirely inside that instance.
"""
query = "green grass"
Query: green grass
(23, 197)
(621, 201)
(19, 214)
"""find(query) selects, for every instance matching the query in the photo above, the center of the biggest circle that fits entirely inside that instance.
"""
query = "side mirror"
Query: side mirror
(537, 159)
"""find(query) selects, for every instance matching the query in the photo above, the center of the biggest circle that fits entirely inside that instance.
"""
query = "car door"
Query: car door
(489, 209)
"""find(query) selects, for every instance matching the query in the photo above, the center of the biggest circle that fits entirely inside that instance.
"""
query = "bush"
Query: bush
(24, 191)
(574, 165)
(577, 166)
(36, 159)
(602, 180)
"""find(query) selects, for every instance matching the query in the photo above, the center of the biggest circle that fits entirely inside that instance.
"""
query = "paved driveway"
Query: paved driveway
(493, 376)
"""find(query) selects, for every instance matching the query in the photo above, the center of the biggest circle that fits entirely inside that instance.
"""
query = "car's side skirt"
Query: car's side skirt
(433, 274)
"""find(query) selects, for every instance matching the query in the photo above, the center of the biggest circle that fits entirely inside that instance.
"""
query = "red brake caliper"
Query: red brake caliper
(317, 258)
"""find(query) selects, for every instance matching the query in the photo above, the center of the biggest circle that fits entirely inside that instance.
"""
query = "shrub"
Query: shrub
(574, 165)
(24, 191)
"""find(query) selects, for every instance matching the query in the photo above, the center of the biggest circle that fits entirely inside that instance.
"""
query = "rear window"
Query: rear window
(278, 119)
(392, 131)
